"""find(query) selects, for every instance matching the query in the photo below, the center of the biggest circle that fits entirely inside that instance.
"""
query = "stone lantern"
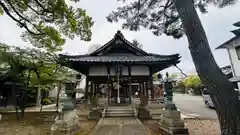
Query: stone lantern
(171, 121)
(168, 88)
(68, 121)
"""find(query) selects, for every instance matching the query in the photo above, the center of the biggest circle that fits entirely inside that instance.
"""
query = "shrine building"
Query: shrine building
(122, 67)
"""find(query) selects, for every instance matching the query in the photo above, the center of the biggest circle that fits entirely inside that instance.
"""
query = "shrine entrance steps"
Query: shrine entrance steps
(119, 111)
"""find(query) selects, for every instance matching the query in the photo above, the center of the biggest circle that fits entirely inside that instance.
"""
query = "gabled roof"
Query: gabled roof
(236, 36)
(115, 52)
(99, 56)
(118, 37)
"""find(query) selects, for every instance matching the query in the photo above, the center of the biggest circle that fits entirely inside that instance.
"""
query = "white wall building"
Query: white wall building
(80, 85)
(233, 48)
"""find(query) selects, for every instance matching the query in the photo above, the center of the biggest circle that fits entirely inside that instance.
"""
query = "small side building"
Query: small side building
(233, 48)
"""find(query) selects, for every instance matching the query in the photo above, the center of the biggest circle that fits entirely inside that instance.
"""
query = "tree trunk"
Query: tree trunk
(38, 101)
(15, 100)
(223, 95)
(58, 94)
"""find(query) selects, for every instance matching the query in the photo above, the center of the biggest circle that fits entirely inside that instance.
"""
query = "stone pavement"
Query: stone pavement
(120, 126)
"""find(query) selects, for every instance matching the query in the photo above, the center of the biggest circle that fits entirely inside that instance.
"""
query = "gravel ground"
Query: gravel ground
(195, 127)
(35, 125)
(86, 127)
(32, 124)
(153, 127)
(203, 127)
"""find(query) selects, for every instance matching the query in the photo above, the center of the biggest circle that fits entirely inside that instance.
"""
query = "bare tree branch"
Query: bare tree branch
(42, 14)
(44, 9)
(181, 71)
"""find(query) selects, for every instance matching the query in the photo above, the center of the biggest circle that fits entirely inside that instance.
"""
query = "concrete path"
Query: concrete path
(120, 126)
(193, 106)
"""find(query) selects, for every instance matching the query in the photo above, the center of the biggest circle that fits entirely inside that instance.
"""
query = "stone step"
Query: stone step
(119, 112)
(119, 108)
(123, 111)
(119, 115)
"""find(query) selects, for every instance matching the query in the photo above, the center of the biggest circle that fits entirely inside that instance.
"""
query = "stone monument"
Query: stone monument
(143, 112)
(171, 121)
(95, 112)
(67, 122)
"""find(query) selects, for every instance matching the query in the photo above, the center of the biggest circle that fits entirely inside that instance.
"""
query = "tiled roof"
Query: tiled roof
(227, 43)
(124, 58)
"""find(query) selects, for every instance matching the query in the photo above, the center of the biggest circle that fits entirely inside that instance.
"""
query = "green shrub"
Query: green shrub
(46, 101)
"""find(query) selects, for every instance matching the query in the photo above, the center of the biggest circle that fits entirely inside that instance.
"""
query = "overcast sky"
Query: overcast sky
(217, 23)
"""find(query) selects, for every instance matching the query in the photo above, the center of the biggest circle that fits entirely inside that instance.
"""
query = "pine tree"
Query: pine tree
(176, 18)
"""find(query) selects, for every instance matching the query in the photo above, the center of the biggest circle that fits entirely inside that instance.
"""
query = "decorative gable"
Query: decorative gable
(119, 45)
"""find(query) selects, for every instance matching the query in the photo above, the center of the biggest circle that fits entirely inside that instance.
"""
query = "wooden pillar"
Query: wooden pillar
(97, 88)
(86, 88)
(130, 84)
(111, 89)
(91, 90)
(108, 91)
(108, 84)
(151, 83)
(141, 87)
(130, 90)
(147, 89)
(151, 87)
(144, 87)
(94, 88)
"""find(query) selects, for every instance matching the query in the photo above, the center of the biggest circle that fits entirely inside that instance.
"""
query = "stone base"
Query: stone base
(172, 123)
(172, 114)
(95, 115)
(62, 127)
(144, 113)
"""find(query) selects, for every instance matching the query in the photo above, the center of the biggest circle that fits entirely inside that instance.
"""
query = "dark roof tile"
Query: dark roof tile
(123, 58)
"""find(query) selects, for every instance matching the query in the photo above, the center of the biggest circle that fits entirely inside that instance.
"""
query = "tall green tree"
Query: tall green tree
(137, 44)
(93, 48)
(194, 83)
(39, 69)
(48, 23)
(178, 17)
